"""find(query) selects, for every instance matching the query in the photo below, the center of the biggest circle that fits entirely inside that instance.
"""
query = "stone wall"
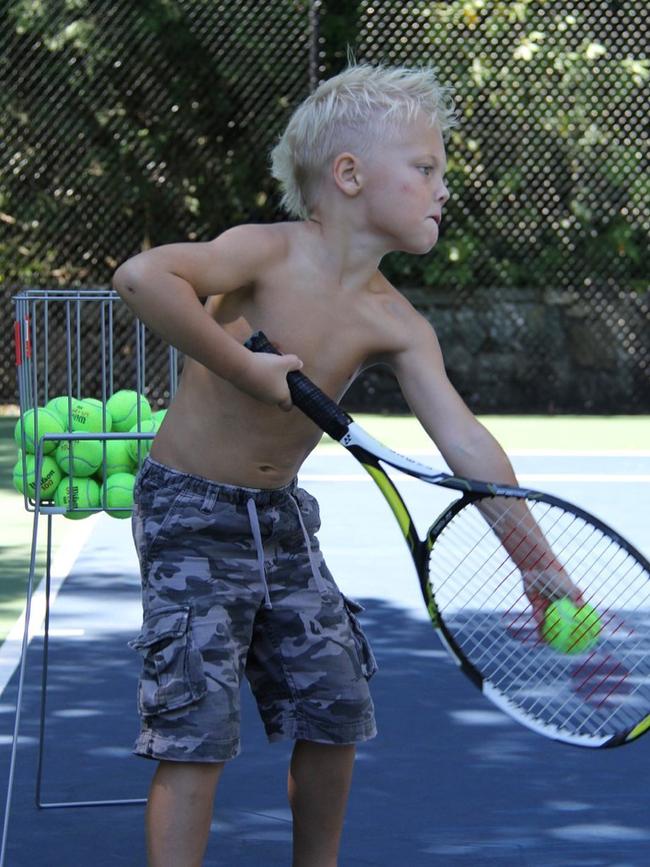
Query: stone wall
(514, 350)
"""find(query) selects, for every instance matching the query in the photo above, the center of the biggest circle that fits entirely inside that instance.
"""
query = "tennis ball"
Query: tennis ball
(87, 416)
(143, 446)
(50, 476)
(569, 629)
(79, 457)
(118, 459)
(159, 415)
(77, 493)
(102, 411)
(123, 407)
(47, 421)
(118, 489)
(60, 406)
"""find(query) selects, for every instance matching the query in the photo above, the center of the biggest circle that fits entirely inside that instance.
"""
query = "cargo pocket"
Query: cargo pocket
(172, 673)
(366, 656)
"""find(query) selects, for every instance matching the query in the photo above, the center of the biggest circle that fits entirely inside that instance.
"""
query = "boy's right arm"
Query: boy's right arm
(164, 287)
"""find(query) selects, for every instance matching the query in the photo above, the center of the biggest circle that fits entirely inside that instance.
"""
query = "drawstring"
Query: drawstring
(259, 548)
(315, 571)
(257, 536)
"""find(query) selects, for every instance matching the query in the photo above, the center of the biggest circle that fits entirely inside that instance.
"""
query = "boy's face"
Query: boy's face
(404, 187)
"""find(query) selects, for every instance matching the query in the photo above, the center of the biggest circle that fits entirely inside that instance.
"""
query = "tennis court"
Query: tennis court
(448, 781)
(126, 126)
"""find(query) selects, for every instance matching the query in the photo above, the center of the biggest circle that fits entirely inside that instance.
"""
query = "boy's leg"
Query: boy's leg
(179, 812)
(319, 784)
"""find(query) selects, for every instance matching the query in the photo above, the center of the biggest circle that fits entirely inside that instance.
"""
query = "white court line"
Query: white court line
(603, 478)
(328, 450)
(60, 568)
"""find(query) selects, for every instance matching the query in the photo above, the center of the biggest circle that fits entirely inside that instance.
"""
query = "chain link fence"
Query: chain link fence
(126, 125)
(539, 285)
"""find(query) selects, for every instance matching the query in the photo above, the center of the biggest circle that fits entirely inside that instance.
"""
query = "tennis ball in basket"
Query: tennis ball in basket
(102, 411)
(118, 459)
(60, 405)
(159, 415)
(149, 425)
(50, 476)
(569, 628)
(48, 422)
(87, 416)
(119, 494)
(123, 407)
(77, 493)
(79, 457)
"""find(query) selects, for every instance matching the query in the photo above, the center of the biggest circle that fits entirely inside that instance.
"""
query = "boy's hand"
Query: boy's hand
(266, 378)
(543, 586)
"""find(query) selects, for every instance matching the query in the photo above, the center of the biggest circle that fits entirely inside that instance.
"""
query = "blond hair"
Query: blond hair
(351, 111)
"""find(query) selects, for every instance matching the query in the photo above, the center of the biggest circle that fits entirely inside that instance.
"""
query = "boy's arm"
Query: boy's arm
(468, 447)
(164, 287)
(472, 452)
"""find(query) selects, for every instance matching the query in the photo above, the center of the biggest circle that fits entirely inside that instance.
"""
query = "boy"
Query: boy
(233, 579)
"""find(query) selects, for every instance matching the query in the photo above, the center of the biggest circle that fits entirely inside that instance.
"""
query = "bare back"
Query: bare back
(215, 430)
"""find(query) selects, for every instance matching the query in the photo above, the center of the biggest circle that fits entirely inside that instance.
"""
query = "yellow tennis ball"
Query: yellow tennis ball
(123, 407)
(118, 489)
(568, 628)
(118, 459)
(62, 406)
(159, 415)
(87, 416)
(47, 422)
(102, 414)
(142, 448)
(79, 457)
(80, 494)
(50, 476)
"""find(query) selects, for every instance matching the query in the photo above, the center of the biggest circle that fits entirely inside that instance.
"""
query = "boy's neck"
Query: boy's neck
(345, 258)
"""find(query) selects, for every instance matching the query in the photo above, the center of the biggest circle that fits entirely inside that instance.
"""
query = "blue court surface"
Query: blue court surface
(448, 781)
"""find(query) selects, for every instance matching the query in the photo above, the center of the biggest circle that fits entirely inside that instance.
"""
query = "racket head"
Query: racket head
(593, 696)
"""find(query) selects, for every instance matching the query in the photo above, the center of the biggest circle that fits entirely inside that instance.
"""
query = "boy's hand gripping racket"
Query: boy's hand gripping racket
(543, 606)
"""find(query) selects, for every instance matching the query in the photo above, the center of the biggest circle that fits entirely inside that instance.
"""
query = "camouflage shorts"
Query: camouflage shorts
(234, 583)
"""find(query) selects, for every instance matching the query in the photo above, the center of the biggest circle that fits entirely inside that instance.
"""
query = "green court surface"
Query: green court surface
(403, 433)
(533, 433)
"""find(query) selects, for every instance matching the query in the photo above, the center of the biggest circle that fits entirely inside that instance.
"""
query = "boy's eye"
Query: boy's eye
(426, 170)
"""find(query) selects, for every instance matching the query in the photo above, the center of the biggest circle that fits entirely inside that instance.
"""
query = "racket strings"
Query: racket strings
(481, 597)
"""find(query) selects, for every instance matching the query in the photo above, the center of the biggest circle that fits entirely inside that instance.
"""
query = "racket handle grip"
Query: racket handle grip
(306, 395)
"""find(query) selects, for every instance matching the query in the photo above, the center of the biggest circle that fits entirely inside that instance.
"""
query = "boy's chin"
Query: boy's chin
(420, 249)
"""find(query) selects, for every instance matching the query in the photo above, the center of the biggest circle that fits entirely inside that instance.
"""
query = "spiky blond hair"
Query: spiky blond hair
(352, 111)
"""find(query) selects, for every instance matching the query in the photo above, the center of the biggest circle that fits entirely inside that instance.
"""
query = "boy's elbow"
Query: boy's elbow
(119, 281)
(125, 279)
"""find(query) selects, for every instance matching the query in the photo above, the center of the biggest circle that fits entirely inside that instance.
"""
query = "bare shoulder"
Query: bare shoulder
(256, 241)
(406, 334)
(234, 259)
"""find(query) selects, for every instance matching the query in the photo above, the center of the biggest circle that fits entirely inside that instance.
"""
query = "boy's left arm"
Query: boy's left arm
(471, 451)
(468, 447)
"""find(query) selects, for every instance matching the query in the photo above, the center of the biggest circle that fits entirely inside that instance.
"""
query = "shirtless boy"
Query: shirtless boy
(233, 580)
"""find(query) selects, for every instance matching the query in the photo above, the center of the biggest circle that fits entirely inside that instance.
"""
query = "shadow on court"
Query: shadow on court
(448, 781)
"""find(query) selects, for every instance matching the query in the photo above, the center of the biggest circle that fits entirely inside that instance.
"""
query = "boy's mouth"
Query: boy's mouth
(435, 217)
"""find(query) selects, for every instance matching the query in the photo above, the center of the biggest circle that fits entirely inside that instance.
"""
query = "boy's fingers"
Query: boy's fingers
(286, 405)
(292, 362)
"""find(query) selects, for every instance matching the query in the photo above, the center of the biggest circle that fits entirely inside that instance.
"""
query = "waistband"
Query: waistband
(220, 491)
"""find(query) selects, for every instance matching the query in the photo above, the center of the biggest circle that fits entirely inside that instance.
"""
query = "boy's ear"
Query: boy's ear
(346, 170)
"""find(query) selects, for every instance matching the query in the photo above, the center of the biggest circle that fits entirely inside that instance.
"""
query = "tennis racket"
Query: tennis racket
(492, 564)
